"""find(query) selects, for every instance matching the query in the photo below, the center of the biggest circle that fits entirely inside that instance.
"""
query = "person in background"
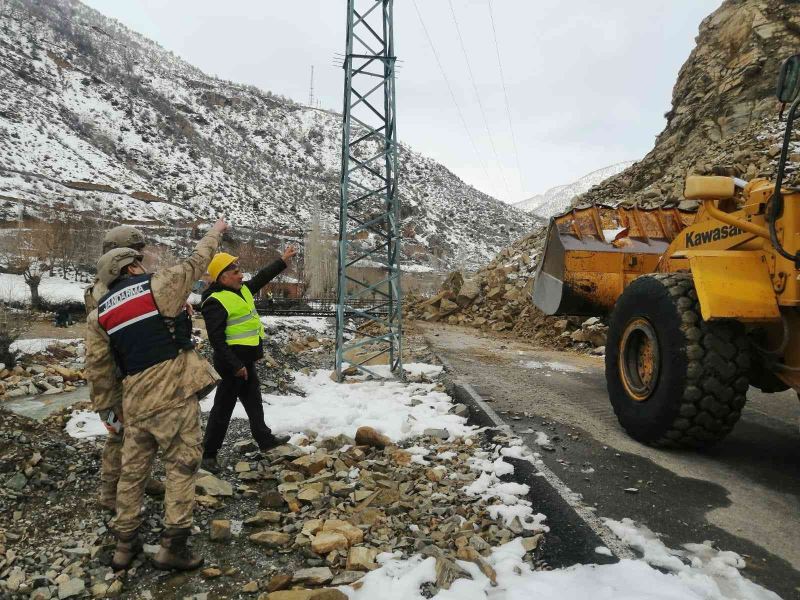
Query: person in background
(236, 333)
(122, 236)
(141, 333)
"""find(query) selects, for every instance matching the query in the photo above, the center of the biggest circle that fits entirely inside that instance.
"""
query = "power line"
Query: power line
(505, 93)
(478, 95)
(452, 95)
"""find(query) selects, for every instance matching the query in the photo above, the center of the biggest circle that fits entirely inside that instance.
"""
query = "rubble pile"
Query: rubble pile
(55, 369)
(293, 522)
(342, 505)
(498, 299)
(51, 542)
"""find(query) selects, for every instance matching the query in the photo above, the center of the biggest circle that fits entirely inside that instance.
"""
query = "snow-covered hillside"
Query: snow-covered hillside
(556, 200)
(98, 120)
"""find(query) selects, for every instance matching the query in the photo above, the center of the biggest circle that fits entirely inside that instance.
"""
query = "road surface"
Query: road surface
(744, 494)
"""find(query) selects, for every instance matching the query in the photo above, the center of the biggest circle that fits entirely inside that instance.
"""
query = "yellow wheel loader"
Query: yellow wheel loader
(702, 304)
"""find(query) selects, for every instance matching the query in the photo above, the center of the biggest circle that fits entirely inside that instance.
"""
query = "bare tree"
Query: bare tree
(25, 253)
(320, 259)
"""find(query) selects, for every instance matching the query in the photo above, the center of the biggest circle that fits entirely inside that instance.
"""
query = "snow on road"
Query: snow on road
(550, 365)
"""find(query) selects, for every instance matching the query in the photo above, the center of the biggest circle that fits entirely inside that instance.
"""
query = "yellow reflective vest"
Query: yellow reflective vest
(243, 326)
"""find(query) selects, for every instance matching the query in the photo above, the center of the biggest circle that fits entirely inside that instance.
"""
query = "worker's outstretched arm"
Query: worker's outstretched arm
(272, 270)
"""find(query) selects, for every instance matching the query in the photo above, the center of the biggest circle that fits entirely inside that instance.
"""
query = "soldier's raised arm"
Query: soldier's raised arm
(172, 286)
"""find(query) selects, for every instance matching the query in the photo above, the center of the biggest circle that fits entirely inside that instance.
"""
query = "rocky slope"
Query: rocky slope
(98, 120)
(557, 199)
(498, 299)
(724, 116)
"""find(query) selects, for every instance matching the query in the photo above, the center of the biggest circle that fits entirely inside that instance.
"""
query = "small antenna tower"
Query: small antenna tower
(311, 89)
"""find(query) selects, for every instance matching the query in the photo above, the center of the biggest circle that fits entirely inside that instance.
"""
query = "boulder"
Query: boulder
(213, 486)
(326, 542)
(361, 558)
(313, 576)
(353, 534)
(220, 530)
(368, 436)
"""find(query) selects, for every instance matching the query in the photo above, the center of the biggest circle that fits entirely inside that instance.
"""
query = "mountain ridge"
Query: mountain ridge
(99, 121)
(557, 199)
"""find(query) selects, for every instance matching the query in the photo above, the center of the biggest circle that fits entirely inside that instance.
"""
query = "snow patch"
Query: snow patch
(331, 409)
(399, 579)
(53, 290)
(85, 424)
(39, 345)
(700, 566)
(551, 365)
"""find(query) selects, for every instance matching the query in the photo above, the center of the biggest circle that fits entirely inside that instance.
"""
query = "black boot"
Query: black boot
(273, 441)
(211, 464)
(174, 554)
(128, 546)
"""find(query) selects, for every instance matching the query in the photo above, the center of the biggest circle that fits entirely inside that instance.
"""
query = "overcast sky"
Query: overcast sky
(588, 82)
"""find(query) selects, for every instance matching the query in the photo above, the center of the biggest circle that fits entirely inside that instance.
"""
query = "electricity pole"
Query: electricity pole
(369, 209)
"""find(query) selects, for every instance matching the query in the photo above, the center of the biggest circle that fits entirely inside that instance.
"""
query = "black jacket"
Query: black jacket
(229, 359)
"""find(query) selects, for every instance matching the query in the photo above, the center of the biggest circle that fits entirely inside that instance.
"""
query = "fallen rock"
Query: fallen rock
(220, 530)
(442, 434)
(71, 588)
(213, 486)
(361, 558)
(532, 543)
(270, 538)
(279, 582)
(447, 572)
(263, 517)
(353, 534)
(368, 436)
(327, 541)
(313, 576)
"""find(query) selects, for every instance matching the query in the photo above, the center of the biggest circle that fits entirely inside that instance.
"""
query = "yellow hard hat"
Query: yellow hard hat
(219, 263)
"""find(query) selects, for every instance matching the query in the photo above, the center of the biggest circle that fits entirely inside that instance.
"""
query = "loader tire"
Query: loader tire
(673, 379)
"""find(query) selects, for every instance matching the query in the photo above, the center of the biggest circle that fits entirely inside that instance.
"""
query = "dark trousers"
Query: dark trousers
(231, 388)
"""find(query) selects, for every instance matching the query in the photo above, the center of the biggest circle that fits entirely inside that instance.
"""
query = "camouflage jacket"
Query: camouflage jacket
(92, 295)
(168, 384)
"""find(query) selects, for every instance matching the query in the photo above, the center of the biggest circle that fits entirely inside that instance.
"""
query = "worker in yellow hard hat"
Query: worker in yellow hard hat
(236, 333)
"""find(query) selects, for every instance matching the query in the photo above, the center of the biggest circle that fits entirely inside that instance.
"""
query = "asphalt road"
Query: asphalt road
(744, 494)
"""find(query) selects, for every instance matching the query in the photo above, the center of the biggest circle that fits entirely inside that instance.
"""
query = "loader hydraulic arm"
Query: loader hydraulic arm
(729, 219)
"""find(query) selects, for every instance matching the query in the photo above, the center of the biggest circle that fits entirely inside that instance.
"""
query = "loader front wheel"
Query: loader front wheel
(673, 379)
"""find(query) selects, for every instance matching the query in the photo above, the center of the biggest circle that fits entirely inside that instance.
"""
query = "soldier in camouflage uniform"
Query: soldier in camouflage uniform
(142, 328)
(122, 236)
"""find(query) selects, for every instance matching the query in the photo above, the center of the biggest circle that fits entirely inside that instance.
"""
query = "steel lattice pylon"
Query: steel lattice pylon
(369, 210)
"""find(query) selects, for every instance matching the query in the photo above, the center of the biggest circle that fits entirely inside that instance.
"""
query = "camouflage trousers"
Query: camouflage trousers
(176, 432)
(110, 463)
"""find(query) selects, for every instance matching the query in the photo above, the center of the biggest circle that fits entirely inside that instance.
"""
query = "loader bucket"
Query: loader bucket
(592, 253)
